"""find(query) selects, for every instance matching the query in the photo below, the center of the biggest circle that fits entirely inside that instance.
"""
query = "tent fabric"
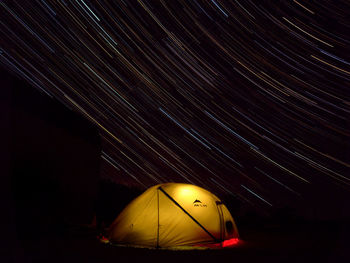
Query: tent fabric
(173, 214)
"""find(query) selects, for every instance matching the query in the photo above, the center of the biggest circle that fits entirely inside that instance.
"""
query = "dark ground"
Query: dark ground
(303, 242)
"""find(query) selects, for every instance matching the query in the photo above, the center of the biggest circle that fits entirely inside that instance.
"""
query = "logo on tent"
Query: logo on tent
(198, 203)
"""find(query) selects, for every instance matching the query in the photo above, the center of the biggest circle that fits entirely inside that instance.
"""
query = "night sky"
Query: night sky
(246, 98)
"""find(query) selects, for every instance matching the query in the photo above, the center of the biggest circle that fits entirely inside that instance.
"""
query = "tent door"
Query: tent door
(222, 223)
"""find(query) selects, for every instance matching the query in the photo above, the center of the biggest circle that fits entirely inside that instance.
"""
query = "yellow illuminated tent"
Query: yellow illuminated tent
(174, 214)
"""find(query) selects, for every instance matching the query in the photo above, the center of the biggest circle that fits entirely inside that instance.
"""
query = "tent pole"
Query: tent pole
(176, 203)
(158, 218)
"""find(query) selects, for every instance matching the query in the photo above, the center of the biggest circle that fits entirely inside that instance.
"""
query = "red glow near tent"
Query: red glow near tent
(230, 242)
(226, 243)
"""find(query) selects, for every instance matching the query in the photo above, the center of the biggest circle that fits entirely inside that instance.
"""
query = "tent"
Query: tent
(172, 215)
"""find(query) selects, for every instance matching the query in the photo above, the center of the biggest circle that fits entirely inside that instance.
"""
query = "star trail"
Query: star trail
(249, 98)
